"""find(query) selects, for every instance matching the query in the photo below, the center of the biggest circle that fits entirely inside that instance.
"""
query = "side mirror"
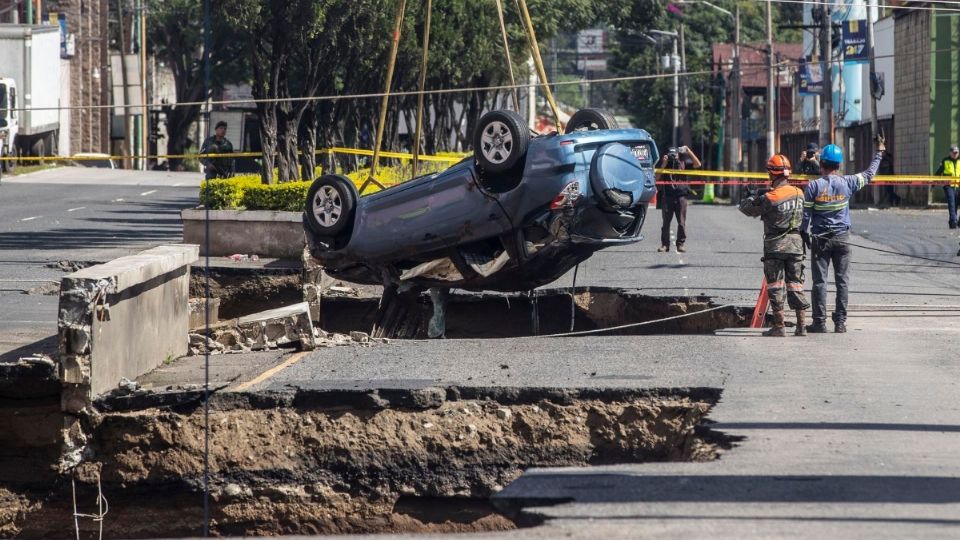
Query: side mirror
(3, 122)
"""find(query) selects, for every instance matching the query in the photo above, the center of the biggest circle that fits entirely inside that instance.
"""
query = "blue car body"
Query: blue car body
(576, 193)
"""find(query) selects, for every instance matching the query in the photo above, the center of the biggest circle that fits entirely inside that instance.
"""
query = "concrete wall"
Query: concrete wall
(122, 319)
(265, 233)
(912, 92)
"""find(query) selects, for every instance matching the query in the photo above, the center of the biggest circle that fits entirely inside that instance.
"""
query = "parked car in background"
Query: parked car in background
(93, 159)
(516, 215)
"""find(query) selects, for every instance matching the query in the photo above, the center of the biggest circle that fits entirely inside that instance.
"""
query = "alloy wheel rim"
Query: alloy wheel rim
(496, 142)
(327, 206)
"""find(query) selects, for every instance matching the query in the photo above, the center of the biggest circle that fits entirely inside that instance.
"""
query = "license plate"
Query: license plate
(642, 152)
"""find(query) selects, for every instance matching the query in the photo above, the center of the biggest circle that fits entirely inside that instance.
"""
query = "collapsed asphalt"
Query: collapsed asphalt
(844, 434)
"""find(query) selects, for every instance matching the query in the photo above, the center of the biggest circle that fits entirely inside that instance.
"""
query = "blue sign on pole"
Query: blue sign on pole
(811, 79)
(855, 49)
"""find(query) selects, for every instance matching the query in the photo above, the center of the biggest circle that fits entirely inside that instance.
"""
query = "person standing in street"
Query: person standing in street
(826, 211)
(781, 210)
(217, 144)
(949, 166)
(809, 162)
(673, 196)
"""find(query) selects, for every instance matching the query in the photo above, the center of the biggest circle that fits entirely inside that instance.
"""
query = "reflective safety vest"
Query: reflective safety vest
(951, 169)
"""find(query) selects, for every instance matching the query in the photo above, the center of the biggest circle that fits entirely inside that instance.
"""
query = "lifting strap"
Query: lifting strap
(392, 62)
(423, 80)
(535, 50)
(506, 50)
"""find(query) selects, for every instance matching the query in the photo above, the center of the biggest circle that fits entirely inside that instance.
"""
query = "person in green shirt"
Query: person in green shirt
(217, 167)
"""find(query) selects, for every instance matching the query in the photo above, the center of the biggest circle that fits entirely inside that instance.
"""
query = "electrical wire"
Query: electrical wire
(606, 80)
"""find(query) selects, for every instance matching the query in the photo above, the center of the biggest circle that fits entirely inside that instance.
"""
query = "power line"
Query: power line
(408, 93)
(831, 4)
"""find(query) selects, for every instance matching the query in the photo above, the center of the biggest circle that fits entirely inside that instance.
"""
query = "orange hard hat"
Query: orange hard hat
(778, 165)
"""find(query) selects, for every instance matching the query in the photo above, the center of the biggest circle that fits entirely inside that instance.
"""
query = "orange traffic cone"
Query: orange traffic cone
(760, 310)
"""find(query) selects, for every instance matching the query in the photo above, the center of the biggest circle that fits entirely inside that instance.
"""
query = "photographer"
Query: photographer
(673, 196)
(810, 160)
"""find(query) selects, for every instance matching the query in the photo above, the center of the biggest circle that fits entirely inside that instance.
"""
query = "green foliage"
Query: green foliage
(649, 102)
(223, 193)
(289, 196)
(248, 192)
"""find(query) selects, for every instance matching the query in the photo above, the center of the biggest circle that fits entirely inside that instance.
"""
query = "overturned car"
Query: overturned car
(518, 214)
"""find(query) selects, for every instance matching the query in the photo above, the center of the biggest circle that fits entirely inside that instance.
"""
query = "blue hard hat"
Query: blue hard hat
(832, 154)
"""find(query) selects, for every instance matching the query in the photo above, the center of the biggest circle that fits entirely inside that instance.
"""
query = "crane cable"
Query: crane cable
(418, 132)
(381, 123)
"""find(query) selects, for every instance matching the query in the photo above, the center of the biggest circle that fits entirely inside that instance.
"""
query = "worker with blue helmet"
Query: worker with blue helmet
(826, 212)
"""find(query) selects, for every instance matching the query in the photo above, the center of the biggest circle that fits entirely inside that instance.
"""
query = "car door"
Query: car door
(430, 214)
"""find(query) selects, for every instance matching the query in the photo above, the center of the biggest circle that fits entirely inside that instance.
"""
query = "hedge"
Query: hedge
(247, 191)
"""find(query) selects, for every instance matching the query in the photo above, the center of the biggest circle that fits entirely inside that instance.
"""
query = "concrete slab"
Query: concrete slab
(122, 319)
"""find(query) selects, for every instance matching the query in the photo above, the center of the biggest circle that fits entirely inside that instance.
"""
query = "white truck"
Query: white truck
(29, 91)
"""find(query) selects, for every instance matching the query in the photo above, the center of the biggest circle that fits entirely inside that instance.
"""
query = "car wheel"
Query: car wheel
(500, 141)
(591, 119)
(330, 204)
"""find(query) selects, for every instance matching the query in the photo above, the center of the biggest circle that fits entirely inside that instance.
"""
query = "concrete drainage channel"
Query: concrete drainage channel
(324, 462)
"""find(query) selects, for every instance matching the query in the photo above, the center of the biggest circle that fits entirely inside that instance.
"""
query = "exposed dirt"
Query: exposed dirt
(245, 292)
(290, 469)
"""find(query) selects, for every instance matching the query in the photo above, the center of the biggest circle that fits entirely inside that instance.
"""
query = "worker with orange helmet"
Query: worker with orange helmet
(781, 210)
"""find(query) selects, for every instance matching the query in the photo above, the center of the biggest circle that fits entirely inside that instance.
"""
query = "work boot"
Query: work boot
(778, 329)
(681, 248)
(840, 327)
(818, 327)
(663, 249)
(801, 329)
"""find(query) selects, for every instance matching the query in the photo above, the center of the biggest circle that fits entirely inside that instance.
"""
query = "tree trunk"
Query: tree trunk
(286, 144)
(308, 142)
(268, 139)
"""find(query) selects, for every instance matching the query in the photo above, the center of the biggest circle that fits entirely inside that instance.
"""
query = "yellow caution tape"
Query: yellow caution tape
(337, 150)
(913, 179)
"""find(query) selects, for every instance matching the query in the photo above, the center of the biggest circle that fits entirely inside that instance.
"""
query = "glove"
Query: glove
(806, 239)
(879, 140)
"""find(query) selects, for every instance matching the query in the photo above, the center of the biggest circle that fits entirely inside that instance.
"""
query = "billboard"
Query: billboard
(855, 48)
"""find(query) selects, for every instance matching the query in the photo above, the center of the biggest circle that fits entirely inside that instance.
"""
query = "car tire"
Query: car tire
(590, 120)
(500, 141)
(330, 204)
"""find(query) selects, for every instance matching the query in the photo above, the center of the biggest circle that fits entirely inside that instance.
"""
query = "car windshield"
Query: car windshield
(3, 101)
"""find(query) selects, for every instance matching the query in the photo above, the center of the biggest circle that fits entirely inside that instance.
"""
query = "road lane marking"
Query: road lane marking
(271, 372)
(77, 208)
(117, 200)
(31, 218)
(178, 184)
(145, 193)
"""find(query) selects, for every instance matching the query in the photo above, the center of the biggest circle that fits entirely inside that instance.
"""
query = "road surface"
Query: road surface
(76, 214)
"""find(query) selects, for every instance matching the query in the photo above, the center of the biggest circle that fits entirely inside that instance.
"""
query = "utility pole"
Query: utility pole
(871, 10)
(772, 146)
(735, 89)
(126, 84)
(826, 99)
(675, 60)
(685, 135)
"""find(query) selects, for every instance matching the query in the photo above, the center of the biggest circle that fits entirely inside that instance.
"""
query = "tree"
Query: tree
(175, 37)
